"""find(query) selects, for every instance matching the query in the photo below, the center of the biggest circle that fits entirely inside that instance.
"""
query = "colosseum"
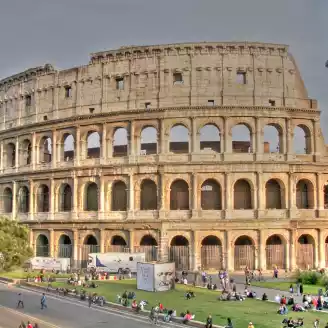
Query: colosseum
(207, 154)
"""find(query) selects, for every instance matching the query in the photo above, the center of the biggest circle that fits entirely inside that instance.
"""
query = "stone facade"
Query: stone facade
(219, 203)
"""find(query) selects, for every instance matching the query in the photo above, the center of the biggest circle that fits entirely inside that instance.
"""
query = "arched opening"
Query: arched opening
(8, 200)
(179, 252)
(23, 200)
(273, 195)
(302, 140)
(64, 247)
(42, 246)
(304, 194)
(273, 142)
(210, 138)
(244, 253)
(26, 153)
(305, 252)
(325, 195)
(68, 152)
(149, 246)
(148, 142)
(179, 139)
(11, 155)
(179, 195)
(65, 198)
(90, 245)
(211, 195)
(241, 139)
(119, 196)
(93, 144)
(120, 143)
(45, 152)
(148, 195)
(118, 244)
(43, 199)
(211, 253)
(242, 194)
(91, 201)
(275, 253)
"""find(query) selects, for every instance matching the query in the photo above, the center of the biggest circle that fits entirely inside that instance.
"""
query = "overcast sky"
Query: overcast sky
(65, 32)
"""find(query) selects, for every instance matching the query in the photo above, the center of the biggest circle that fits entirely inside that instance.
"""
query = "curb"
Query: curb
(145, 313)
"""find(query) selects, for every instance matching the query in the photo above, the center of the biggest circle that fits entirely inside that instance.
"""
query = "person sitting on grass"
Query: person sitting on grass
(135, 306)
(291, 300)
(131, 295)
(264, 297)
(282, 309)
(229, 323)
(190, 294)
(187, 317)
(298, 308)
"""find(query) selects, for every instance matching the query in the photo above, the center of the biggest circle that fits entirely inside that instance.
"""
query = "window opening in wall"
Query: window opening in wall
(177, 78)
(147, 105)
(91, 110)
(120, 83)
(68, 92)
(45, 117)
(272, 102)
(210, 102)
(28, 101)
(241, 77)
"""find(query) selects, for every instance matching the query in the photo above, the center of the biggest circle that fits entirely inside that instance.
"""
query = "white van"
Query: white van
(115, 262)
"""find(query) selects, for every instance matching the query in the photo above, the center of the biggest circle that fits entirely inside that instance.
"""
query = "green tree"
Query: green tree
(14, 245)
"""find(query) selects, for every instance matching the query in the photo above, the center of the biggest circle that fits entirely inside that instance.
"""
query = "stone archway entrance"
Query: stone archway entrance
(305, 252)
(64, 247)
(275, 253)
(149, 246)
(90, 245)
(211, 253)
(244, 253)
(118, 244)
(179, 252)
(42, 246)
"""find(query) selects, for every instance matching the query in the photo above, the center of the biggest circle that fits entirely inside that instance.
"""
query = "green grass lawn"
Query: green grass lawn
(262, 314)
(21, 274)
(283, 285)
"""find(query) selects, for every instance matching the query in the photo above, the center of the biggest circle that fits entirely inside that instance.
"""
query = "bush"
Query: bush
(310, 277)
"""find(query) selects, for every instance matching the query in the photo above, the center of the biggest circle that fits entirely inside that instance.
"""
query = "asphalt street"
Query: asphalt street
(63, 313)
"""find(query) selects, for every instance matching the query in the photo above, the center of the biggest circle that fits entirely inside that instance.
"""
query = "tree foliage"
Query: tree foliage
(14, 245)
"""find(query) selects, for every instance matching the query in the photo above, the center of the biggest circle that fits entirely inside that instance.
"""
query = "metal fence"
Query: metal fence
(305, 256)
(212, 257)
(85, 250)
(275, 256)
(180, 255)
(65, 251)
(151, 252)
(42, 250)
(244, 256)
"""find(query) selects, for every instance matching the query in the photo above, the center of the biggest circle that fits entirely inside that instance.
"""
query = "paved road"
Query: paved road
(62, 313)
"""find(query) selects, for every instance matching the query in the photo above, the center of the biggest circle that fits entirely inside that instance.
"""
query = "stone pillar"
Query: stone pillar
(77, 145)
(131, 194)
(291, 195)
(163, 248)
(195, 137)
(102, 240)
(102, 197)
(194, 192)
(31, 240)
(34, 151)
(163, 140)
(228, 254)
(1, 155)
(320, 193)
(17, 154)
(293, 249)
(196, 258)
(321, 249)
(227, 137)
(162, 192)
(287, 255)
(51, 243)
(75, 195)
(31, 200)
(262, 250)
(52, 199)
(260, 191)
(14, 200)
(131, 240)
(228, 195)
(104, 142)
(132, 139)
(289, 137)
(75, 248)
(259, 137)
(53, 150)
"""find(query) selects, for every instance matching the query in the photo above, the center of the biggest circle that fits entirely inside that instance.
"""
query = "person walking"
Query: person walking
(43, 301)
(20, 301)
(90, 300)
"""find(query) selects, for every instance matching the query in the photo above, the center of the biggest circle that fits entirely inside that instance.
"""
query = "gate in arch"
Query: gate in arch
(179, 252)
(148, 245)
(244, 253)
(90, 245)
(64, 247)
(211, 253)
(305, 252)
(275, 253)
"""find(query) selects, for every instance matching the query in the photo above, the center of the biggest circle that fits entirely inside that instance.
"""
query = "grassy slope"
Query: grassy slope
(281, 285)
(262, 314)
(21, 274)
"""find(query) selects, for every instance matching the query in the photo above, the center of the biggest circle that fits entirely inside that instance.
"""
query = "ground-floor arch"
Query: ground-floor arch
(90, 245)
(149, 246)
(305, 252)
(211, 253)
(118, 244)
(275, 253)
(42, 246)
(244, 253)
(179, 252)
(64, 246)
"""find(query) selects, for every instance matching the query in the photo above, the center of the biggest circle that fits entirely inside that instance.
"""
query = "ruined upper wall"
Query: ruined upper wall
(212, 73)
